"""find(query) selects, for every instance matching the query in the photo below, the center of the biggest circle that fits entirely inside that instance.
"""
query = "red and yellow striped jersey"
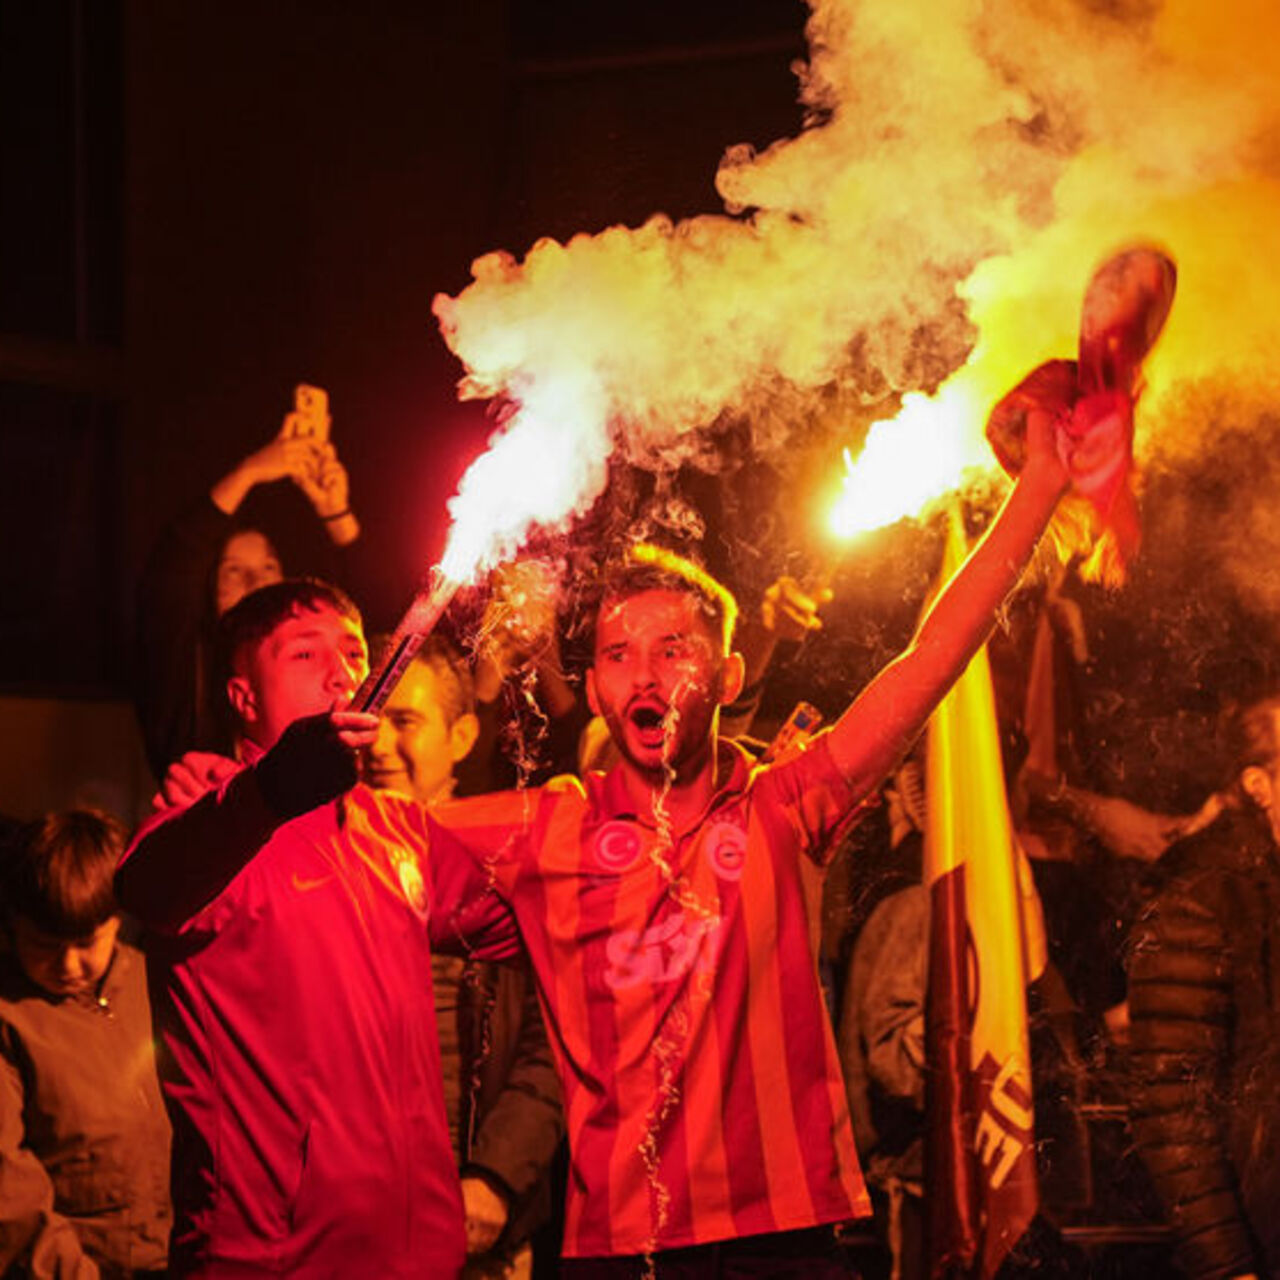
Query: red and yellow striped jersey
(702, 1089)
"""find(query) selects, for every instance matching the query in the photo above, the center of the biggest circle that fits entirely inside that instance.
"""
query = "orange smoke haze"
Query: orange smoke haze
(990, 152)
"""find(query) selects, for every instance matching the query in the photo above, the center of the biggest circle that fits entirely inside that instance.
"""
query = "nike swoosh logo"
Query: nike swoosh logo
(304, 884)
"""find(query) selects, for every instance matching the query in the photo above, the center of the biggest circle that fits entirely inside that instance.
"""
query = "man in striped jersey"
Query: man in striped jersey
(663, 911)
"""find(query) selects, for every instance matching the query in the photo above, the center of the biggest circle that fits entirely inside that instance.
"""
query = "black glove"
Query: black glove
(307, 767)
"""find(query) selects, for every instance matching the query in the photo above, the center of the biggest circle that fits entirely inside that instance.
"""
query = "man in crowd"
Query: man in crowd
(662, 905)
(502, 1097)
(1204, 997)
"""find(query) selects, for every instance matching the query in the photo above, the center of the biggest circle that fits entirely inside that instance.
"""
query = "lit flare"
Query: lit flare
(910, 461)
(535, 471)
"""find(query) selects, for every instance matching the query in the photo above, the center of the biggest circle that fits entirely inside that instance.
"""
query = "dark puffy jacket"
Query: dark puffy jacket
(1205, 1002)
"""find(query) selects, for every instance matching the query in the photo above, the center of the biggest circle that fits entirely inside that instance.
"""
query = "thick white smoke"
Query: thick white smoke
(965, 166)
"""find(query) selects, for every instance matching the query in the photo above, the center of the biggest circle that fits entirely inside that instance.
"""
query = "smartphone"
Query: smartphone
(803, 722)
(310, 416)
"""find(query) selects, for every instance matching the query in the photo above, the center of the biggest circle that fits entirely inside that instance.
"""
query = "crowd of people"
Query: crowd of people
(394, 994)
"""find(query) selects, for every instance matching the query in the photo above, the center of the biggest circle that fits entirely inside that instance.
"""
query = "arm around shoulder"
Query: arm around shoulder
(181, 859)
(469, 915)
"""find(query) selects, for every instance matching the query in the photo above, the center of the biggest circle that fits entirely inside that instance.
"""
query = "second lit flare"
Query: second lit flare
(910, 461)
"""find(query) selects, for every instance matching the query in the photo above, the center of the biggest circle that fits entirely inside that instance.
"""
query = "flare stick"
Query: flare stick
(411, 632)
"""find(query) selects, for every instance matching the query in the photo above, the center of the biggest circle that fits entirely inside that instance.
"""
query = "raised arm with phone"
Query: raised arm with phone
(206, 560)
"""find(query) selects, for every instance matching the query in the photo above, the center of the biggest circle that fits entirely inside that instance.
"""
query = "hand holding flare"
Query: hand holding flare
(1092, 398)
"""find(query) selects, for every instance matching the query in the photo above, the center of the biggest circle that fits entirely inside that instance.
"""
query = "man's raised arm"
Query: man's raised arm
(872, 735)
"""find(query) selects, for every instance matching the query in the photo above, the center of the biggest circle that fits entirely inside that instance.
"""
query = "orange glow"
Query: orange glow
(928, 450)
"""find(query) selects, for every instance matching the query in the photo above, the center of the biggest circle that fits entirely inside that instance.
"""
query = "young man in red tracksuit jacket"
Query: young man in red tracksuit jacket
(291, 914)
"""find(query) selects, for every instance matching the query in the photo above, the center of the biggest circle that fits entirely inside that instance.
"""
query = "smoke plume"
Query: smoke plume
(964, 166)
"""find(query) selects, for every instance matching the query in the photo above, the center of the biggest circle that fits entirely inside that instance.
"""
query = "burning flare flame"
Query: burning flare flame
(539, 469)
(870, 251)
(910, 461)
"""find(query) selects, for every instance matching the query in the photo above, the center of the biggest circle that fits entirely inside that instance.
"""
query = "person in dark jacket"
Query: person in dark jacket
(204, 561)
(1204, 992)
(502, 1095)
(84, 1140)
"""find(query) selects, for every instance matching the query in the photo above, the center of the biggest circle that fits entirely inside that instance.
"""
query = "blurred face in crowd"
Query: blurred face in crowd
(659, 679)
(248, 562)
(312, 662)
(1262, 781)
(64, 966)
(520, 618)
(418, 744)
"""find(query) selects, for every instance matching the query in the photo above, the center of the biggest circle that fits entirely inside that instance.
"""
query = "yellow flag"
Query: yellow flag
(981, 1191)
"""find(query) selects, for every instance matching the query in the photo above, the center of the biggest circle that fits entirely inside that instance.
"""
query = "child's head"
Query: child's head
(292, 649)
(662, 665)
(58, 899)
(428, 724)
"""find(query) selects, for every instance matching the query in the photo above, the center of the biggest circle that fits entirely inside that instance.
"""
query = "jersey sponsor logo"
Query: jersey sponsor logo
(617, 846)
(664, 952)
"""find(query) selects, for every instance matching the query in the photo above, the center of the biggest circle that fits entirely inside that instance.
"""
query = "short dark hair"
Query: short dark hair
(456, 685)
(58, 871)
(457, 688)
(645, 567)
(251, 620)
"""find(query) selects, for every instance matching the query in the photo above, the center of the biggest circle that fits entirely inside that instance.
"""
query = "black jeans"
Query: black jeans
(811, 1254)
